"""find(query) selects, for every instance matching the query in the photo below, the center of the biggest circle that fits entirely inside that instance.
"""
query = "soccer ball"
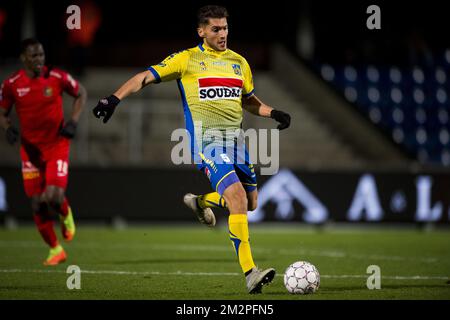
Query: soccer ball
(301, 277)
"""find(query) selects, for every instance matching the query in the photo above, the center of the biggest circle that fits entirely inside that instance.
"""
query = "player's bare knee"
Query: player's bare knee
(237, 199)
(240, 195)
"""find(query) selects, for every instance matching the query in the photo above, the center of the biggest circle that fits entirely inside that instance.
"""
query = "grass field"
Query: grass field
(193, 262)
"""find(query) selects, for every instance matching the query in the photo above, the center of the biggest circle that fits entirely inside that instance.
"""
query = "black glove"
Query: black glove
(105, 108)
(12, 135)
(69, 129)
(282, 117)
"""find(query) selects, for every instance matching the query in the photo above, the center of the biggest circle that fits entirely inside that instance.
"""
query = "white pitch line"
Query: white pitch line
(215, 274)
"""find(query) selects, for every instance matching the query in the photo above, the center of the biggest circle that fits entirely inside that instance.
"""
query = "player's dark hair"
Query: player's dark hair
(28, 42)
(210, 11)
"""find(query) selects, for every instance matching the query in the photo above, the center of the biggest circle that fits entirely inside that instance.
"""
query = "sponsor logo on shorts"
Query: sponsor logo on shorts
(29, 171)
(219, 88)
(30, 175)
(208, 173)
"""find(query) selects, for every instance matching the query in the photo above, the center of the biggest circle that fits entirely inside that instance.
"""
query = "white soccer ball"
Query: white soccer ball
(301, 277)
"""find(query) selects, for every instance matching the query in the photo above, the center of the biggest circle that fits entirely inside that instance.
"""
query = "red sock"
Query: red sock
(64, 210)
(45, 228)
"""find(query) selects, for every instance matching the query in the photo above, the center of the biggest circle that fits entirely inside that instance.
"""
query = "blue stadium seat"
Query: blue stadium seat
(444, 137)
(372, 74)
(445, 157)
(327, 72)
(398, 135)
(443, 115)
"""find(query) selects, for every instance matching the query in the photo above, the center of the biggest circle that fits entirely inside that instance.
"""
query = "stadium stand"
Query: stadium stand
(409, 103)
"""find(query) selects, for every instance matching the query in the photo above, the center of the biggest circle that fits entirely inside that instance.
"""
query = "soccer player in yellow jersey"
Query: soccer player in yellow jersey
(215, 85)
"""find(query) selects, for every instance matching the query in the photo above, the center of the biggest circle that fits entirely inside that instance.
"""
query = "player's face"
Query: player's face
(34, 58)
(215, 33)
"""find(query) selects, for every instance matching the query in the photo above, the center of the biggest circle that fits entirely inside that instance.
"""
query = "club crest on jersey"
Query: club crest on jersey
(203, 66)
(219, 88)
(48, 91)
(237, 69)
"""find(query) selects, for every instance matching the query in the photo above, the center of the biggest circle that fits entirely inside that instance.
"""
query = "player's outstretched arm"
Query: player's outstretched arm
(70, 127)
(106, 106)
(255, 106)
(11, 133)
(79, 103)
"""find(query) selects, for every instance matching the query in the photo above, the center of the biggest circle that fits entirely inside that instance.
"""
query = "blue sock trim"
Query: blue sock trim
(237, 243)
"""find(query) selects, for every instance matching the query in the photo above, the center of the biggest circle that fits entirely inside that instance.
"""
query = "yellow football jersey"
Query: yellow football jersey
(212, 84)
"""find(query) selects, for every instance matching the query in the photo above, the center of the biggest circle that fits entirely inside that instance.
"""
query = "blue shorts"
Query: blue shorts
(227, 165)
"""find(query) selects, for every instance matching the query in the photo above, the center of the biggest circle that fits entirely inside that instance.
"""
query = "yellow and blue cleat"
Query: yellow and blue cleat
(205, 216)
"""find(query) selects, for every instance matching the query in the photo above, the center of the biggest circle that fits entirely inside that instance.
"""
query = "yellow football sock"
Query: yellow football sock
(211, 200)
(238, 229)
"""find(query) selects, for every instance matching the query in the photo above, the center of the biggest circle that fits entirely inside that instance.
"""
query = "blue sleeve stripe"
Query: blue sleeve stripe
(249, 94)
(155, 74)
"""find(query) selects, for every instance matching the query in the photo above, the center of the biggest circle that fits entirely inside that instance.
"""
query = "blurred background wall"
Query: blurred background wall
(364, 103)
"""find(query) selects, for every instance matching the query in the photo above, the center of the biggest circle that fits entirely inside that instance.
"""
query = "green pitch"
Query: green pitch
(193, 262)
